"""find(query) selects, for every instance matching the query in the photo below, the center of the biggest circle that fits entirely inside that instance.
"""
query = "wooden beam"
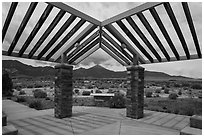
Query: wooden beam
(130, 12)
(36, 29)
(84, 51)
(173, 59)
(8, 19)
(108, 46)
(79, 38)
(66, 38)
(22, 26)
(153, 34)
(122, 40)
(14, 54)
(135, 60)
(134, 40)
(47, 32)
(83, 57)
(75, 12)
(164, 32)
(113, 55)
(142, 36)
(57, 35)
(116, 45)
(82, 45)
(177, 28)
(191, 26)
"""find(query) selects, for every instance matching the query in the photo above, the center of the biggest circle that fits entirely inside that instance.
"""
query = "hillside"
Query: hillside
(16, 68)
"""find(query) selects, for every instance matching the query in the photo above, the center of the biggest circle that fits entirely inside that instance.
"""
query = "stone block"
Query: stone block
(196, 121)
(191, 131)
(9, 130)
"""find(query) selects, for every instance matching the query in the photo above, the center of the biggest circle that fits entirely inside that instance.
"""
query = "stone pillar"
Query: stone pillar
(135, 92)
(63, 91)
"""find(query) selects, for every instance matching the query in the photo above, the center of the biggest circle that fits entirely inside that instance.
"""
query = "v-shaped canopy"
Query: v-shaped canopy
(121, 36)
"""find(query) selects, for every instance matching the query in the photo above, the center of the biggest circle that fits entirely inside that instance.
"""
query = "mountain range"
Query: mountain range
(16, 68)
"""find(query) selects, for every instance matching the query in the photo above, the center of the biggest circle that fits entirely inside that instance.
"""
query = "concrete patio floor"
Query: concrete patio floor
(91, 121)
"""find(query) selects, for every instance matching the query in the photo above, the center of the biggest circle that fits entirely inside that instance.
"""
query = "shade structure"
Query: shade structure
(124, 36)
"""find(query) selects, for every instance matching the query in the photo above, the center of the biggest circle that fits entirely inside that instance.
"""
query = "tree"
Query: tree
(7, 84)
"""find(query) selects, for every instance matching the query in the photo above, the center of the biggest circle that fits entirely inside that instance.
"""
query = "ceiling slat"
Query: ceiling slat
(84, 51)
(142, 36)
(112, 41)
(177, 28)
(8, 19)
(57, 35)
(122, 40)
(36, 29)
(164, 32)
(153, 34)
(66, 38)
(191, 26)
(47, 32)
(22, 26)
(82, 45)
(134, 40)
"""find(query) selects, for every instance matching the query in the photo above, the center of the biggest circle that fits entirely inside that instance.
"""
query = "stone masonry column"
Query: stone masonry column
(63, 91)
(135, 92)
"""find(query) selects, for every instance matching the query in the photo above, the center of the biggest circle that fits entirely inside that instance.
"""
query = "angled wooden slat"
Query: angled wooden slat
(8, 19)
(105, 43)
(66, 38)
(153, 34)
(113, 55)
(177, 28)
(191, 26)
(36, 29)
(75, 12)
(112, 41)
(131, 12)
(22, 26)
(164, 32)
(172, 59)
(57, 35)
(14, 54)
(122, 40)
(47, 32)
(86, 55)
(142, 36)
(134, 40)
(78, 39)
(82, 45)
(84, 51)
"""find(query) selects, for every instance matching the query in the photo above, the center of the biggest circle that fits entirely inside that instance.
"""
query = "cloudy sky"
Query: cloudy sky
(105, 10)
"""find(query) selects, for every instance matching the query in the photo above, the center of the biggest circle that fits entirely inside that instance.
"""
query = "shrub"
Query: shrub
(173, 96)
(196, 86)
(117, 101)
(148, 94)
(22, 92)
(20, 99)
(98, 91)
(86, 93)
(166, 91)
(36, 104)
(158, 90)
(180, 92)
(76, 91)
(47, 98)
(176, 85)
(39, 94)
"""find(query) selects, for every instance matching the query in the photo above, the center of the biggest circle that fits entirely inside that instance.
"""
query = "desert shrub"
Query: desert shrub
(76, 91)
(117, 101)
(86, 93)
(39, 94)
(180, 92)
(173, 96)
(18, 88)
(166, 91)
(185, 85)
(22, 92)
(36, 104)
(158, 90)
(98, 91)
(196, 86)
(47, 98)
(176, 85)
(148, 94)
(20, 99)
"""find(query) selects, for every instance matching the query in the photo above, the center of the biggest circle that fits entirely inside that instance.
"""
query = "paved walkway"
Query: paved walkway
(91, 121)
